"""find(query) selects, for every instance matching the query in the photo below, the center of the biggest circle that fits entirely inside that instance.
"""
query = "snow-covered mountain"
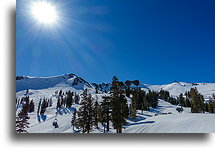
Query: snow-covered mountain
(67, 80)
(206, 89)
(157, 120)
(78, 83)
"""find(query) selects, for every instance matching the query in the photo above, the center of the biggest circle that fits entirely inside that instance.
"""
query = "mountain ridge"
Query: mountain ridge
(72, 80)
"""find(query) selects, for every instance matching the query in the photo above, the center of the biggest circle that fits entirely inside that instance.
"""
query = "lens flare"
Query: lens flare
(44, 12)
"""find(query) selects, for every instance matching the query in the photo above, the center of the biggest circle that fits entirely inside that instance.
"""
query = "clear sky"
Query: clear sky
(154, 41)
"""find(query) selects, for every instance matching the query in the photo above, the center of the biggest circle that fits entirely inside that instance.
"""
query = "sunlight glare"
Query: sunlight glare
(44, 12)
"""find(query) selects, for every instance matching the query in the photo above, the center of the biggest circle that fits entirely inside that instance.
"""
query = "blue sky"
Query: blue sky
(154, 41)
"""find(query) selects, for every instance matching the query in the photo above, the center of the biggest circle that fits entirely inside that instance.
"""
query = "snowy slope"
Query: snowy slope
(154, 121)
(206, 89)
(67, 80)
(175, 122)
(73, 81)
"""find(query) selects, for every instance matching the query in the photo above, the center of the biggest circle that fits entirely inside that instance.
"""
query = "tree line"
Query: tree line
(114, 107)
(192, 99)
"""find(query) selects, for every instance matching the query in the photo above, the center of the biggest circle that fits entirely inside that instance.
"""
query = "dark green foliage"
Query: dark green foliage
(187, 102)
(133, 109)
(44, 105)
(60, 93)
(210, 107)
(173, 101)
(97, 114)
(164, 95)
(22, 118)
(118, 104)
(105, 114)
(85, 115)
(58, 103)
(197, 101)
(181, 100)
(206, 107)
(77, 99)
(69, 99)
(39, 106)
(128, 88)
(31, 106)
(153, 98)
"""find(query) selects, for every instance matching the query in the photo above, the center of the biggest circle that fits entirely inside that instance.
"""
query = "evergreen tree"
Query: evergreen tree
(39, 106)
(50, 102)
(58, 103)
(181, 100)
(211, 105)
(134, 99)
(206, 107)
(164, 95)
(69, 99)
(97, 114)
(31, 106)
(128, 88)
(27, 91)
(153, 98)
(197, 101)
(210, 108)
(60, 93)
(118, 101)
(106, 106)
(43, 107)
(187, 102)
(145, 105)
(85, 114)
(22, 119)
(77, 99)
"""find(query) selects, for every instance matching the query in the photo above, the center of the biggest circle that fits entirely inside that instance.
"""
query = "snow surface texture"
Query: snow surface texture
(163, 119)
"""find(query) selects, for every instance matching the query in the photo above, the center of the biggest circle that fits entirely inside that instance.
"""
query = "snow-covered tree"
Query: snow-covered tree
(22, 119)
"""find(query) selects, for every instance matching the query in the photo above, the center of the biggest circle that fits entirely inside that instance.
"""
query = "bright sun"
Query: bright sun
(44, 12)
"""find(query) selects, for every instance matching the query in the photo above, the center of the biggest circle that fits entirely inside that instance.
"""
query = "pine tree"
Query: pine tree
(134, 99)
(211, 105)
(128, 88)
(118, 101)
(197, 101)
(31, 106)
(187, 102)
(27, 91)
(181, 100)
(206, 107)
(60, 93)
(153, 98)
(22, 119)
(58, 103)
(106, 106)
(50, 102)
(85, 114)
(43, 107)
(69, 99)
(77, 99)
(39, 106)
(97, 114)
(164, 95)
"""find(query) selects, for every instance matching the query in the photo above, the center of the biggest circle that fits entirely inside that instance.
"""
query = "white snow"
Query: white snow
(185, 122)
(163, 119)
(206, 89)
